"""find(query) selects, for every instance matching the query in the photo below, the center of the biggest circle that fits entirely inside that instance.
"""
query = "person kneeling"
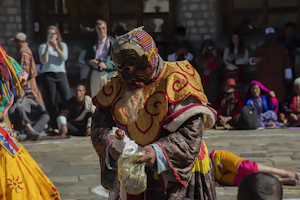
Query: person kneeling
(75, 117)
(29, 115)
(228, 105)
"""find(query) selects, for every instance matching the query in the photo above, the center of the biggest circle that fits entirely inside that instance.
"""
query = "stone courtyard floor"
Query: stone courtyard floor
(73, 166)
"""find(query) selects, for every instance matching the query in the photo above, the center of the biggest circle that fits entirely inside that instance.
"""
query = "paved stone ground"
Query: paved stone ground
(73, 166)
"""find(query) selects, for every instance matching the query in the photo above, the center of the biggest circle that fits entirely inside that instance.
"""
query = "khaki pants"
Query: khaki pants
(98, 79)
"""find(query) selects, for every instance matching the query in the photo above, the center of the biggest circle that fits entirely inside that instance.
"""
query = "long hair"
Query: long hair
(241, 46)
(59, 38)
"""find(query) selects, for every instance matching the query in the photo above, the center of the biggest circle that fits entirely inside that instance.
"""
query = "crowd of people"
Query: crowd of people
(55, 107)
(170, 153)
(273, 95)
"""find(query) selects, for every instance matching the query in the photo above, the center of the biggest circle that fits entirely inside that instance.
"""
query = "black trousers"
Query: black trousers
(53, 82)
(21, 118)
(76, 129)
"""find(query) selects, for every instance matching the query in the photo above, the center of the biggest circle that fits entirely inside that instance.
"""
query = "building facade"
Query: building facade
(203, 19)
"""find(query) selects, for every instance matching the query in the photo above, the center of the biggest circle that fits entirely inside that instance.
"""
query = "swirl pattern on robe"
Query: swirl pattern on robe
(176, 82)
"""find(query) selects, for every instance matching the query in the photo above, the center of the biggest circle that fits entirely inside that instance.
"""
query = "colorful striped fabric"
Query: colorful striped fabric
(147, 43)
(26, 60)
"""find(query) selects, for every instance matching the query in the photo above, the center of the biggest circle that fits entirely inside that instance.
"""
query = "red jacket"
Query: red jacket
(238, 105)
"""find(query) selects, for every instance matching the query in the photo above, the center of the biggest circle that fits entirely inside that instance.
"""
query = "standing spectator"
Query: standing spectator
(28, 115)
(180, 49)
(209, 60)
(26, 61)
(235, 57)
(291, 43)
(274, 64)
(53, 55)
(76, 116)
(98, 57)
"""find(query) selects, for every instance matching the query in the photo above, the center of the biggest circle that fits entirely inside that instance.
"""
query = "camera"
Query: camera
(27, 93)
(210, 47)
(100, 60)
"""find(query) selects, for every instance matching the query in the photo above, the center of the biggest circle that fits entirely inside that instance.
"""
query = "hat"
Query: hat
(297, 81)
(20, 36)
(269, 30)
(230, 81)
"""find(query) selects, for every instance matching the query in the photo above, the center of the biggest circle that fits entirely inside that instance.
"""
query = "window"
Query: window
(76, 18)
(252, 17)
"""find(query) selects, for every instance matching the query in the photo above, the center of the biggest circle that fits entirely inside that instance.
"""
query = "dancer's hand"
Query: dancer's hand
(113, 152)
(149, 158)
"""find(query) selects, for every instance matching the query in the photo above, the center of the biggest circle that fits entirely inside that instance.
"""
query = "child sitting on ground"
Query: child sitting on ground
(294, 116)
(260, 186)
(228, 105)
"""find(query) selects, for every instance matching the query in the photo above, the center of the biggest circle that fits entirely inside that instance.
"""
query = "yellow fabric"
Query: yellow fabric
(202, 165)
(228, 160)
(176, 82)
(22, 179)
(227, 179)
(17, 83)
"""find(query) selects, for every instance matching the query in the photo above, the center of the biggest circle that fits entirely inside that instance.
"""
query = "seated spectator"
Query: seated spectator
(180, 49)
(294, 108)
(265, 103)
(235, 57)
(75, 117)
(260, 186)
(228, 105)
(29, 115)
(231, 169)
(210, 61)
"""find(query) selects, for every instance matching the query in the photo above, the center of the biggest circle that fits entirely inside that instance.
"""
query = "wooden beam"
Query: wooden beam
(298, 17)
(264, 14)
(106, 6)
(230, 9)
(74, 23)
(139, 12)
(42, 14)
(171, 17)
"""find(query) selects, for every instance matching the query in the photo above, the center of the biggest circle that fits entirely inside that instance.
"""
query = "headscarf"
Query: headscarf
(140, 41)
(263, 91)
(11, 80)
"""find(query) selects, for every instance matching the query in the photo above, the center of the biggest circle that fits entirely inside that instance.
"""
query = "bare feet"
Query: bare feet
(288, 181)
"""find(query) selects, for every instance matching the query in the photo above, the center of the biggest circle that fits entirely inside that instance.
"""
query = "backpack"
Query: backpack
(249, 119)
